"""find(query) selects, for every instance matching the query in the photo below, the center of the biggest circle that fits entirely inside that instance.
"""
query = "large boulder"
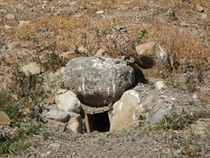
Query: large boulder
(155, 60)
(98, 81)
(124, 110)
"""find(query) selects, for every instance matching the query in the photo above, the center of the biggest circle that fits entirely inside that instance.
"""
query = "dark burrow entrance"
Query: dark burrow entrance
(97, 122)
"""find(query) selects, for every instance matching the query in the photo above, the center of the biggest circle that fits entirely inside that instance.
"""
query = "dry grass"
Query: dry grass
(69, 31)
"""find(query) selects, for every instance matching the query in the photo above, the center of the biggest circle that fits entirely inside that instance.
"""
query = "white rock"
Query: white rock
(23, 22)
(159, 85)
(32, 68)
(124, 110)
(68, 101)
(99, 12)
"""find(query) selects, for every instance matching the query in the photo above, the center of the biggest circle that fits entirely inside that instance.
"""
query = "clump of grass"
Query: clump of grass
(25, 93)
(175, 121)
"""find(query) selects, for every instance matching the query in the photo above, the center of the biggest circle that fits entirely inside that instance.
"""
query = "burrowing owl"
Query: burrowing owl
(124, 44)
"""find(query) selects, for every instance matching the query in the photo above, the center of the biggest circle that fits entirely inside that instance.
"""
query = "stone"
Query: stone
(23, 23)
(203, 17)
(75, 124)
(68, 55)
(99, 12)
(7, 27)
(56, 126)
(98, 81)
(4, 119)
(68, 101)
(124, 110)
(147, 104)
(82, 50)
(199, 8)
(155, 60)
(57, 115)
(52, 81)
(10, 17)
(160, 85)
(31, 69)
(159, 111)
(101, 53)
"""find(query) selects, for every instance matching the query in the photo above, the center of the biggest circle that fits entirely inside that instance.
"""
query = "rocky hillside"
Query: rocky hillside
(104, 78)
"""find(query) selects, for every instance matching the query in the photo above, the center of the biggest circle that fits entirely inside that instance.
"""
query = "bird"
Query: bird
(124, 44)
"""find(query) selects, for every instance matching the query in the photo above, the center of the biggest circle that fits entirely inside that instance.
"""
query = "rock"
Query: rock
(199, 8)
(31, 69)
(101, 53)
(157, 113)
(52, 80)
(56, 126)
(10, 17)
(147, 104)
(4, 119)
(124, 110)
(68, 55)
(3, 11)
(7, 27)
(82, 50)
(99, 12)
(23, 23)
(75, 124)
(57, 115)
(98, 81)
(203, 17)
(159, 85)
(155, 59)
(68, 101)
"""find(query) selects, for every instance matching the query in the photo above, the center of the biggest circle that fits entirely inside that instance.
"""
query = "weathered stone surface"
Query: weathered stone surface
(124, 110)
(147, 104)
(163, 108)
(159, 85)
(155, 60)
(67, 101)
(57, 115)
(98, 81)
(56, 126)
(75, 124)
(32, 68)
(52, 80)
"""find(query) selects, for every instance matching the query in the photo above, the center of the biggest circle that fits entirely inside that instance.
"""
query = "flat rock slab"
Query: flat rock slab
(97, 81)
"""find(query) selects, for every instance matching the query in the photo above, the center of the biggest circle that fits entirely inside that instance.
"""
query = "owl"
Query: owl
(124, 44)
